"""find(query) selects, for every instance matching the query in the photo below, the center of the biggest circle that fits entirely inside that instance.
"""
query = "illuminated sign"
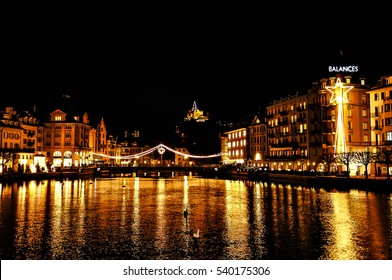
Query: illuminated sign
(343, 68)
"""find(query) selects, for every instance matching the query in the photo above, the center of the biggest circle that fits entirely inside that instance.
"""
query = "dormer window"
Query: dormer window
(58, 118)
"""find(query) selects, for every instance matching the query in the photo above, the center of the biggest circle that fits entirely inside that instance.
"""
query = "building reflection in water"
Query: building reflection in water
(160, 238)
(136, 210)
(236, 215)
(142, 218)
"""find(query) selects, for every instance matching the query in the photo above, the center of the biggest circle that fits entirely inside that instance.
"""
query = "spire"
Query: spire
(194, 107)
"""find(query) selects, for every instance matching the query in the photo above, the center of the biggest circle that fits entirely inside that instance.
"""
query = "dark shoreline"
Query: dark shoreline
(59, 175)
(325, 182)
(336, 183)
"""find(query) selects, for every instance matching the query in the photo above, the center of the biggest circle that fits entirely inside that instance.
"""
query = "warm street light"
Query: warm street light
(161, 150)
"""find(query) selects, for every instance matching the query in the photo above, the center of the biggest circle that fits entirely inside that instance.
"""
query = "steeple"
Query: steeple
(194, 107)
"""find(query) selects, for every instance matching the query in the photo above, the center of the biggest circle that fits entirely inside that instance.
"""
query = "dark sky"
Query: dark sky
(142, 67)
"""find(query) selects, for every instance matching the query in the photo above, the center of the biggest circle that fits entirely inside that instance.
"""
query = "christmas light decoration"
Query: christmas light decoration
(161, 149)
(338, 98)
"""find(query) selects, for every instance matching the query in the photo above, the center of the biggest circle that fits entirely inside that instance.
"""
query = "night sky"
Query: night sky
(142, 67)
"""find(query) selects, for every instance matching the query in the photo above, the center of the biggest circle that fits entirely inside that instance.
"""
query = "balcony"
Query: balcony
(375, 115)
(381, 143)
(30, 143)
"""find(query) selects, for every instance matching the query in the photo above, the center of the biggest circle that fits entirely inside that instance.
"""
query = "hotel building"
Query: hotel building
(301, 131)
(381, 120)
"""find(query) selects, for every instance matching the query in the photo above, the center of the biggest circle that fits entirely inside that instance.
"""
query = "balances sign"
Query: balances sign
(343, 69)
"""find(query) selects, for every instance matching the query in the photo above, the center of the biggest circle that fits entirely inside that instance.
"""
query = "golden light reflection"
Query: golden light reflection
(31, 208)
(185, 202)
(80, 211)
(237, 219)
(259, 231)
(161, 219)
(136, 207)
(342, 247)
(69, 212)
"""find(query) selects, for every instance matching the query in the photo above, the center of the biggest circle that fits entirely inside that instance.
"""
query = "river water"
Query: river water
(143, 219)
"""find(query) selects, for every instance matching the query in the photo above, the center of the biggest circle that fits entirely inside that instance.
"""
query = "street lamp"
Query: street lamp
(161, 150)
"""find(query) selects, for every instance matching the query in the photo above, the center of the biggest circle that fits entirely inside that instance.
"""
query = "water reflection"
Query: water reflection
(142, 218)
(236, 214)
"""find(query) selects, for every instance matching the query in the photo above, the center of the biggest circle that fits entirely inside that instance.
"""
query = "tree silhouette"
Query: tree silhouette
(6, 155)
(346, 159)
(328, 159)
(385, 156)
(364, 158)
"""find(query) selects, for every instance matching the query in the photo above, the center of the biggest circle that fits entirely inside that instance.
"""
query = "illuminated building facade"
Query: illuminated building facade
(21, 133)
(329, 119)
(180, 159)
(236, 151)
(257, 141)
(381, 119)
(98, 142)
(288, 135)
(345, 117)
(67, 138)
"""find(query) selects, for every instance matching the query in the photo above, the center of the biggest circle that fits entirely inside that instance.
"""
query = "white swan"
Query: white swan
(196, 234)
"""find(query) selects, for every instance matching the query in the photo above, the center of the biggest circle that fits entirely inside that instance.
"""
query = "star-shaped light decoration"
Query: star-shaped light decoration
(339, 92)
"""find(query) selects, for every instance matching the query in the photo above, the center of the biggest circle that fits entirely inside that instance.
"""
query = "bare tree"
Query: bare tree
(385, 156)
(328, 159)
(346, 159)
(364, 158)
(6, 155)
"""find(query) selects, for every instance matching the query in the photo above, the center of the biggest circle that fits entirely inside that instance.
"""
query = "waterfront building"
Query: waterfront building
(288, 134)
(130, 150)
(381, 121)
(336, 115)
(67, 136)
(236, 150)
(21, 141)
(331, 118)
(181, 158)
(257, 141)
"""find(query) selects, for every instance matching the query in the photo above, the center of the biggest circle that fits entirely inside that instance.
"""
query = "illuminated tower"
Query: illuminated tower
(338, 98)
(195, 114)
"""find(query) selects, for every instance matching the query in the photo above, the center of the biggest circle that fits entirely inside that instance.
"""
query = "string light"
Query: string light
(160, 147)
